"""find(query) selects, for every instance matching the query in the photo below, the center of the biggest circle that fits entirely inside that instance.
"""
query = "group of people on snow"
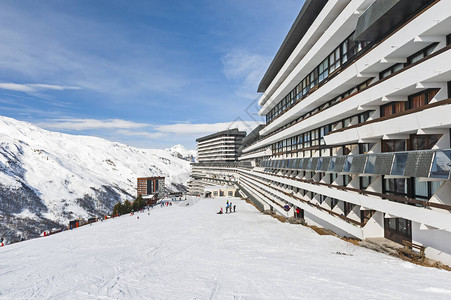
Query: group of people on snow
(229, 207)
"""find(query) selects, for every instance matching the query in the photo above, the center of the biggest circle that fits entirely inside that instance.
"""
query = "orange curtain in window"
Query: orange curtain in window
(399, 107)
(388, 110)
(418, 101)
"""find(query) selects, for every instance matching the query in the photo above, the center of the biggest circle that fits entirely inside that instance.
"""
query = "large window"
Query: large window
(411, 187)
(395, 186)
(422, 98)
(424, 141)
(393, 145)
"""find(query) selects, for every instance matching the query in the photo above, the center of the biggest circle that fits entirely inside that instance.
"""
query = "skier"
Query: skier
(220, 212)
(234, 206)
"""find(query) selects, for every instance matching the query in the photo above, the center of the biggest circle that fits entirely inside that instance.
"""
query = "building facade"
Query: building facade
(357, 103)
(213, 150)
(151, 186)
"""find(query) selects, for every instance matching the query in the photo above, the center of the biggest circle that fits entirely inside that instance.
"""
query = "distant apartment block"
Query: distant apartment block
(212, 150)
(151, 186)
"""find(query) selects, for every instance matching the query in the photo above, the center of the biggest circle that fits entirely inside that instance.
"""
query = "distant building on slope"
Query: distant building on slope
(220, 147)
(151, 186)
(214, 150)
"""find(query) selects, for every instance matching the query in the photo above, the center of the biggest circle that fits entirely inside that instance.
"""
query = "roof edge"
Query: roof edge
(304, 20)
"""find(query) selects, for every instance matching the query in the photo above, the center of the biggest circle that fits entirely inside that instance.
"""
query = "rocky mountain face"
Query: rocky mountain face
(49, 178)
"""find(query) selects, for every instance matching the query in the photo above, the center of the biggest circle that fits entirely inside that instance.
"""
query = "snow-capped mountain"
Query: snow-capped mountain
(49, 178)
(180, 152)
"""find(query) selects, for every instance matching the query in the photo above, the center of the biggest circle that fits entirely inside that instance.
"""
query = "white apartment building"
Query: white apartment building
(358, 121)
(214, 149)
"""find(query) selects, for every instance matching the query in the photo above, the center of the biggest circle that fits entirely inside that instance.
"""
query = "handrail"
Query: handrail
(392, 116)
(309, 203)
(393, 198)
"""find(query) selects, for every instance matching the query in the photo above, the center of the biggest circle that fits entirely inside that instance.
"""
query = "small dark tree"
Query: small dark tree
(118, 209)
(127, 207)
(139, 203)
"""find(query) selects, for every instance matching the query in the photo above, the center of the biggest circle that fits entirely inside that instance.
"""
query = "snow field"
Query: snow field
(188, 251)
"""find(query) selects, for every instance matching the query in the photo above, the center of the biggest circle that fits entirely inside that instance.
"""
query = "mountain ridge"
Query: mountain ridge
(50, 178)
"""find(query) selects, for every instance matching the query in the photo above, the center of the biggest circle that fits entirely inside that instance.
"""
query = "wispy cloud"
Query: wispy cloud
(125, 127)
(138, 133)
(90, 124)
(247, 68)
(35, 87)
(144, 134)
(206, 128)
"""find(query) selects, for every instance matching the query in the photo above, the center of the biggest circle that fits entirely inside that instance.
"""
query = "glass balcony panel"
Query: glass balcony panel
(441, 165)
(399, 164)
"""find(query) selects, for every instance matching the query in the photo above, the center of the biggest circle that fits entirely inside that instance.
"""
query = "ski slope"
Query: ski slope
(50, 177)
(188, 251)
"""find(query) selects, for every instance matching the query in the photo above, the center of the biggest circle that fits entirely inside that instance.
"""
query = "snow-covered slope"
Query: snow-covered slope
(190, 252)
(180, 152)
(48, 178)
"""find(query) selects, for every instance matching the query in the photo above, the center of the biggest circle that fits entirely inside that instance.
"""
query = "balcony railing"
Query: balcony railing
(427, 163)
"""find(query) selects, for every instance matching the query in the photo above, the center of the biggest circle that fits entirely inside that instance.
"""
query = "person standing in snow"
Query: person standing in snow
(234, 208)
(230, 207)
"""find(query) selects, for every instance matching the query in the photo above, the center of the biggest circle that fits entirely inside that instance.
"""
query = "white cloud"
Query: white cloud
(247, 68)
(145, 134)
(206, 128)
(34, 87)
(90, 124)
(124, 127)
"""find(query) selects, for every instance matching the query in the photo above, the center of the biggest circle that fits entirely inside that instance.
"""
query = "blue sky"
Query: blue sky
(145, 73)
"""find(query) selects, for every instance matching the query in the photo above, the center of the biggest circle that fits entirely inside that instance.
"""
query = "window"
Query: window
(344, 51)
(307, 140)
(315, 137)
(421, 54)
(393, 145)
(323, 70)
(390, 70)
(366, 215)
(395, 186)
(365, 148)
(423, 142)
(421, 190)
(392, 108)
(334, 61)
(313, 78)
(348, 207)
(422, 98)
(346, 179)
(333, 203)
(365, 182)
(321, 199)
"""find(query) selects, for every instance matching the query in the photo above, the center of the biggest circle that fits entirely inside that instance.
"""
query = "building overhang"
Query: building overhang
(385, 15)
(305, 18)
